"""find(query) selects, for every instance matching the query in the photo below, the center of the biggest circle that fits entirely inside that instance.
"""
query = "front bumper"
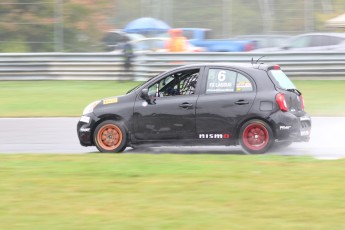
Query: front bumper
(85, 129)
(289, 127)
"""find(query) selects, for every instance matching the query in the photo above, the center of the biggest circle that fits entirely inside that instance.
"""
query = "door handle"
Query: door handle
(242, 102)
(186, 105)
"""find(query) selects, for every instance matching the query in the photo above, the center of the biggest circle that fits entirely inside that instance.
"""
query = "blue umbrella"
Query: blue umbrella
(146, 25)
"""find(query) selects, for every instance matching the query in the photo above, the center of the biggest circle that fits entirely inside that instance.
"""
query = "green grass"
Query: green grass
(68, 98)
(323, 98)
(55, 98)
(164, 191)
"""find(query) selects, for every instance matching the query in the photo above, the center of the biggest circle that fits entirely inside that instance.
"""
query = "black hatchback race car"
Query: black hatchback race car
(254, 105)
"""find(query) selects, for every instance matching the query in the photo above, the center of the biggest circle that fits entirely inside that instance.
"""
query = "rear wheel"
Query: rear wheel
(110, 136)
(256, 137)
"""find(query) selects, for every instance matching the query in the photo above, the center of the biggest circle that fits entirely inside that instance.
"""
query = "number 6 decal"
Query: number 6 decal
(221, 75)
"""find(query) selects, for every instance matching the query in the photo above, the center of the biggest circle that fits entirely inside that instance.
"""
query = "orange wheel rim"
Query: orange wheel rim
(109, 137)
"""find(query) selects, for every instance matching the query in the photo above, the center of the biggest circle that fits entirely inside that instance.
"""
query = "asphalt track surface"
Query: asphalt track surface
(58, 135)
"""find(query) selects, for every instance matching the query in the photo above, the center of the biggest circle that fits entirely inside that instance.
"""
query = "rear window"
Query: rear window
(281, 80)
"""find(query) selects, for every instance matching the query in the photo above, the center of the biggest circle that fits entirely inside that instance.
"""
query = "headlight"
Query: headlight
(90, 107)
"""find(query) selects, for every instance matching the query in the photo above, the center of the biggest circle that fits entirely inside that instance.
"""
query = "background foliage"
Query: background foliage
(37, 25)
(30, 26)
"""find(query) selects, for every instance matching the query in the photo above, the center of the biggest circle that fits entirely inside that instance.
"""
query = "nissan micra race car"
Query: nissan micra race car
(252, 105)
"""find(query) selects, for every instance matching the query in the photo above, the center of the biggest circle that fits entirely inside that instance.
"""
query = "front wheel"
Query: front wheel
(110, 137)
(256, 137)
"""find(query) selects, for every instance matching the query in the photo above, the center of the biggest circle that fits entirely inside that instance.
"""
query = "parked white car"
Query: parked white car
(312, 42)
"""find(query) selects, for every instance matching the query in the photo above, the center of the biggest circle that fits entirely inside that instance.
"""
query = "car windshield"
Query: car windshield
(281, 80)
(136, 87)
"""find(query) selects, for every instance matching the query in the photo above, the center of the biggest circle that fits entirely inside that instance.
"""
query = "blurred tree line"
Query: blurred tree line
(228, 18)
(39, 26)
(79, 25)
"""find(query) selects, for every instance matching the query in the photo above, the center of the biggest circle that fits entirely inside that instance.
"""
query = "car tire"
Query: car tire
(110, 137)
(256, 137)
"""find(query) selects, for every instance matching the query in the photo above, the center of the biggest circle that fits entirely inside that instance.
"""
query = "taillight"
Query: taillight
(274, 67)
(280, 98)
(302, 101)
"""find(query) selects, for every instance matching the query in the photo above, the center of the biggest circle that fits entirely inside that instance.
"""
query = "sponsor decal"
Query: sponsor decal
(85, 130)
(110, 101)
(85, 119)
(221, 75)
(214, 136)
(243, 86)
(220, 85)
(305, 133)
(305, 118)
(287, 127)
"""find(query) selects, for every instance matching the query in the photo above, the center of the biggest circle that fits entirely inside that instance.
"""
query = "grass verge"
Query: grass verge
(68, 98)
(323, 98)
(144, 191)
(55, 98)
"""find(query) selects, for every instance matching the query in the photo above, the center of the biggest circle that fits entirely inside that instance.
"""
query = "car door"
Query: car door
(227, 98)
(170, 112)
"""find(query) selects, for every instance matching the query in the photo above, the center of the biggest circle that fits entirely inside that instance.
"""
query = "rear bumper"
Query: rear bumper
(289, 127)
(302, 133)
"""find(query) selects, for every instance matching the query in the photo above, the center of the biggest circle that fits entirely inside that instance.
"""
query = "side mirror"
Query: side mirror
(145, 94)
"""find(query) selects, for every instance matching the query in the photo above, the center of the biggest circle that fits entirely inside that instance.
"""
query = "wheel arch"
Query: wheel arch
(113, 117)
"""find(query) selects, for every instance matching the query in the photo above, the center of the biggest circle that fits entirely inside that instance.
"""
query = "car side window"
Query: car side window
(178, 83)
(223, 81)
(301, 42)
(220, 81)
(335, 40)
(319, 40)
(243, 84)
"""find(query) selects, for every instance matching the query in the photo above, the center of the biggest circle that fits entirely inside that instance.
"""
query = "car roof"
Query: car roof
(241, 66)
(342, 35)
